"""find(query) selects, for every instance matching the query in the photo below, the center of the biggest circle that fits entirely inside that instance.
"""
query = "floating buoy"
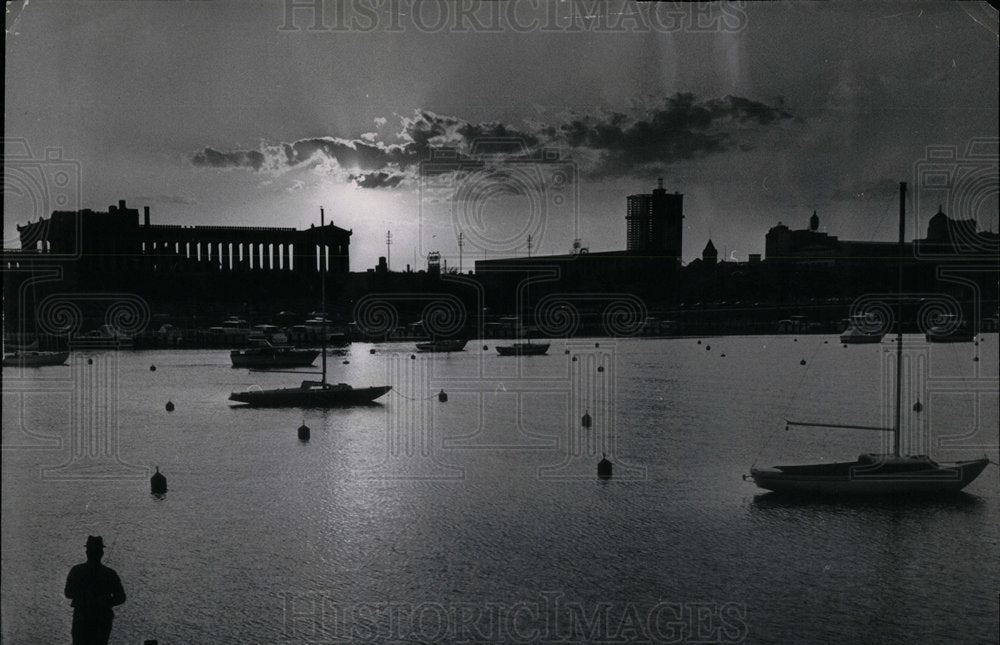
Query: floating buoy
(722, 355)
(304, 432)
(597, 344)
(802, 362)
(347, 362)
(918, 406)
(485, 348)
(567, 351)
(413, 357)
(157, 483)
(371, 351)
(574, 359)
(795, 340)
(169, 406)
(845, 345)
(604, 467)
(585, 420)
(708, 348)
(442, 396)
(975, 359)
(152, 368)
(826, 342)
(699, 342)
(90, 361)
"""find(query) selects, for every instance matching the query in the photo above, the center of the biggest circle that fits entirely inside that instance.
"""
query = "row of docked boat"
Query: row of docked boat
(947, 329)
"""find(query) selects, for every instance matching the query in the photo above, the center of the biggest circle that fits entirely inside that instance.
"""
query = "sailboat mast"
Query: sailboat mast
(322, 282)
(899, 318)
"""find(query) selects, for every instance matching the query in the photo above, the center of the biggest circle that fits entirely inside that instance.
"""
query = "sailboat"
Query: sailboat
(312, 394)
(874, 474)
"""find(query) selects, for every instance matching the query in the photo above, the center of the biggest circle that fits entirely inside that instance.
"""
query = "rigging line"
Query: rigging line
(798, 387)
(799, 382)
(889, 202)
(412, 398)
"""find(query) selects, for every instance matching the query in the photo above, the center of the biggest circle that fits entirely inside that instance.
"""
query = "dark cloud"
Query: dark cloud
(236, 159)
(609, 144)
(377, 180)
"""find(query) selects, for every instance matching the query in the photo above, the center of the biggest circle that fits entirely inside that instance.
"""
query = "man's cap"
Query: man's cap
(95, 542)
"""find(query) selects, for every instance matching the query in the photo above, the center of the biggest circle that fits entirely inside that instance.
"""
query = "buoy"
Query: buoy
(586, 421)
(371, 351)
(413, 357)
(157, 483)
(845, 345)
(442, 396)
(574, 359)
(918, 406)
(722, 355)
(795, 340)
(169, 406)
(604, 467)
(597, 344)
(802, 362)
(826, 342)
(90, 361)
(347, 362)
(152, 368)
(567, 351)
(600, 368)
(708, 347)
(975, 359)
(485, 348)
(303, 432)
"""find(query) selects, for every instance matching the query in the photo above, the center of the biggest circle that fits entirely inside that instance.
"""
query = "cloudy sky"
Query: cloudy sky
(500, 120)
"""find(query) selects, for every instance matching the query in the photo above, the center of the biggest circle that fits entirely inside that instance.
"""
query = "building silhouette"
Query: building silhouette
(116, 241)
(655, 223)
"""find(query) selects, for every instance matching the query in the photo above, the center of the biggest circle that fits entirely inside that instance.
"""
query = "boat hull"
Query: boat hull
(860, 339)
(867, 477)
(35, 359)
(310, 397)
(265, 360)
(955, 337)
(523, 349)
(439, 346)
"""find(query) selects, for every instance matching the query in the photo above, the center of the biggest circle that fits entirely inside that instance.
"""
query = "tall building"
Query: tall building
(655, 223)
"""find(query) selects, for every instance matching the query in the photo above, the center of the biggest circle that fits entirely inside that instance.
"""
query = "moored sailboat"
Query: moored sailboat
(319, 394)
(874, 474)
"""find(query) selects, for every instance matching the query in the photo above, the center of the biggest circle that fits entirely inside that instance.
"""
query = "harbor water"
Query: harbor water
(481, 518)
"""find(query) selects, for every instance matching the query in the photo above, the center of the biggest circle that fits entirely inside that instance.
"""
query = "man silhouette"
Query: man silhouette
(94, 590)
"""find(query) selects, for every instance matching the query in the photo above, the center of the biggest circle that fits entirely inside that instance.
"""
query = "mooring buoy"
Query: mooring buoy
(585, 420)
(158, 483)
(708, 348)
(486, 348)
(802, 362)
(152, 368)
(303, 432)
(600, 368)
(918, 406)
(604, 467)
(169, 406)
(442, 396)
(371, 351)
(413, 357)
(347, 362)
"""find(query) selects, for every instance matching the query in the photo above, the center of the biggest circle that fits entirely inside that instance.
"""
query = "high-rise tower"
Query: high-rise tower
(655, 223)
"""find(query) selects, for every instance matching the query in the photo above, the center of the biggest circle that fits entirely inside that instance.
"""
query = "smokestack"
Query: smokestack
(145, 212)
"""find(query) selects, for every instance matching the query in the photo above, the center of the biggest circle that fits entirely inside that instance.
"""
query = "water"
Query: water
(482, 519)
